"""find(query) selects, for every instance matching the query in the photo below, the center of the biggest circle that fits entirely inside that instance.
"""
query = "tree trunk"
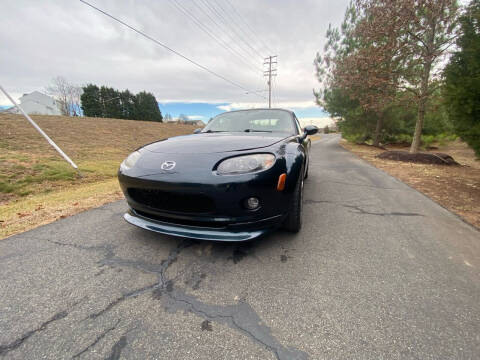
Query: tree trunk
(417, 136)
(424, 89)
(422, 104)
(378, 130)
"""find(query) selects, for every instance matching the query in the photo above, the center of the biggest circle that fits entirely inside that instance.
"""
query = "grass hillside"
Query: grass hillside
(37, 186)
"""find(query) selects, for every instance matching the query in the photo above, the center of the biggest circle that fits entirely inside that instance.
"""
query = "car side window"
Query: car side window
(297, 124)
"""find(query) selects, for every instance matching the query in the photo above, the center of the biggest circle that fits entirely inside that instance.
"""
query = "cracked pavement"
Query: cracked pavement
(378, 271)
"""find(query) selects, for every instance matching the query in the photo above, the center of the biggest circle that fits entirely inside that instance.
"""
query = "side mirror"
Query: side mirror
(197, 131)
(309, 130)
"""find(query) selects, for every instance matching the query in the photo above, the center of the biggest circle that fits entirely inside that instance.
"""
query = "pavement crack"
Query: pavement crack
(240, 316)
(117, 348)
(311, 201)
(15, 344)
(359, 210)
(360, 185)
(97, 340)
(120, 299)
(158, 269)
(106, 249)
(209, 316)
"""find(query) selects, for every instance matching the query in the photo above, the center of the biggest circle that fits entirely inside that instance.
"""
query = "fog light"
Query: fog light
(252, 203)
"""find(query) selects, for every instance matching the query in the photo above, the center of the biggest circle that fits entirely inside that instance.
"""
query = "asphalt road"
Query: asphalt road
(379, 271)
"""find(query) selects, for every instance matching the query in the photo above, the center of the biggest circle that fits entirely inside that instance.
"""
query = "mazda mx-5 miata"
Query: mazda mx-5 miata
(234, 180)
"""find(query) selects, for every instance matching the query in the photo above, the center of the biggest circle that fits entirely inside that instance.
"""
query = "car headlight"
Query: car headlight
(130, 161)
(246, 164)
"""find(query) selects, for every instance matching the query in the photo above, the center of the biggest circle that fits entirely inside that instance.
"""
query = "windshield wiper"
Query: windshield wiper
(253, 130)
(212, 131)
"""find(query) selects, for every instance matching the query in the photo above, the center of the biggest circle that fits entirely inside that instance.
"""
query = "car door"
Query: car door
(306, 143)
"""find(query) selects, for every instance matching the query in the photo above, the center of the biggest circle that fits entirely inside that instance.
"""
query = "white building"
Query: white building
(38, 104)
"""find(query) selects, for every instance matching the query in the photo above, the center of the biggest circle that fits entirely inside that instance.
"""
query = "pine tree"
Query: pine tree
(110, 101)
(462, 78)
(90, 98)
(146, 107)
(127, 100)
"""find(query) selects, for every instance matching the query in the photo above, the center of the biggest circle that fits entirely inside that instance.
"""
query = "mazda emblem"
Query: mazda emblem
(168, 165)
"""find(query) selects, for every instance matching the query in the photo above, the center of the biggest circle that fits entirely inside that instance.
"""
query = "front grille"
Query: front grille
(174, 202)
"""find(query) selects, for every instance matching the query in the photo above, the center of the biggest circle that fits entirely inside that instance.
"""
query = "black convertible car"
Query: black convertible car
(236, 179)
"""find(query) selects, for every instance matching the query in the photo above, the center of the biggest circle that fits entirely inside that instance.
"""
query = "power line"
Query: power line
(212, 19)
(225, 45)
(265, 46)
(205, 29)
(228, 28)
(233, 28)
(275, 92)
(217, 13)
(170, 49)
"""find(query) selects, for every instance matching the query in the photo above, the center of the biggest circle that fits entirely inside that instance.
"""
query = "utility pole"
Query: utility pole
(271, 61)
(103, 102)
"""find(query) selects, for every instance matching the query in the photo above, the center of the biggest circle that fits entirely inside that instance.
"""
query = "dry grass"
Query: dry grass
(34, 210)
(37, 186)
(455, 187)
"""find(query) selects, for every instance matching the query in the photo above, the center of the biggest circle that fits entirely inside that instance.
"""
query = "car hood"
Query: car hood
(214, 143)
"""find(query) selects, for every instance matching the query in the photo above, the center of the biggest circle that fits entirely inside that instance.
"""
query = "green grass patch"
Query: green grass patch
(103, 168)
(21, 180)
(6, 187)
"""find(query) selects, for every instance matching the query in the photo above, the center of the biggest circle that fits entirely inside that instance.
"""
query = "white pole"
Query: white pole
(50, 141)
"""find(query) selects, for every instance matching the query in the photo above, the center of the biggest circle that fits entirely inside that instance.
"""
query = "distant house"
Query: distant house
(186, 122)
(36, 103)
(198, 123)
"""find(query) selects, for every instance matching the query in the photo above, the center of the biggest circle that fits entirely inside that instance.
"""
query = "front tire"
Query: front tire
(293, 222)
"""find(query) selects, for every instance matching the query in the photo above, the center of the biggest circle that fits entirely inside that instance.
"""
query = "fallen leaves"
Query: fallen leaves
(22, 215)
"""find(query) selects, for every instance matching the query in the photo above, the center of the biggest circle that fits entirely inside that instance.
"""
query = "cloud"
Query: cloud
(5, 102)
(228, 107)
(85, 46)
(280, 104)
(319, 122)
(195, 117)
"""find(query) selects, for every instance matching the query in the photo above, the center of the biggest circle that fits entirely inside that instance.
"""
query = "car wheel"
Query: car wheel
(293, 222)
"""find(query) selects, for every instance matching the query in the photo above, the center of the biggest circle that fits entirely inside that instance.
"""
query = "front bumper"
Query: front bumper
(231, 233)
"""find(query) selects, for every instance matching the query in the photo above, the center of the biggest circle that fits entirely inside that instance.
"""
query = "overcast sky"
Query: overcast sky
(43, 39)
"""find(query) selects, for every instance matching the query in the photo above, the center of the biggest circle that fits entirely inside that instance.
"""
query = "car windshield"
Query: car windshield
(252, 121)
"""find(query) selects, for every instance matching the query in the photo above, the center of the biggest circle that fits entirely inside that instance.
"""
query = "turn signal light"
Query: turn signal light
(281, 182)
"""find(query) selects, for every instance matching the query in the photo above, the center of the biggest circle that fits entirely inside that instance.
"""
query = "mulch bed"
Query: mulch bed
(423, 158)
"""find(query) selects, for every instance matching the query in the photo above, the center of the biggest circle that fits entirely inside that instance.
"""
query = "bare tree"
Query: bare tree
(431, 33)
(369, 74)
(66, 94)
(75, 92)
(419, 34)
(363, 65)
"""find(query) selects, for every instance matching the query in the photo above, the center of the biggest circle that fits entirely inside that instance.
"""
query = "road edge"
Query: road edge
(411, 187)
